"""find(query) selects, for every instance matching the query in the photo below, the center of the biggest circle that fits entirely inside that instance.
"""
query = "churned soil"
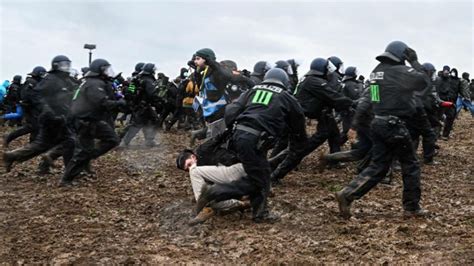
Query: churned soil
(136, 207)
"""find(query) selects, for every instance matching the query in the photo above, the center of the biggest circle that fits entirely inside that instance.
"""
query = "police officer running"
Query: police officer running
(392, 87)
(92, 107)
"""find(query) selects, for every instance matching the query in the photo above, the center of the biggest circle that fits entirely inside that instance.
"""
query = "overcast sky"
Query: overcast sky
(168, 33)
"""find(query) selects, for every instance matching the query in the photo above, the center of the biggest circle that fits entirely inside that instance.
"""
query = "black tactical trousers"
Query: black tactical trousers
(21, 131)
(86, 149)
(167, 110)
(324, 132)
(434, 119)
(450, 113)
(145, 120)
(280, 145)
(390, 138)
(50, 135)
(360, 150)
(346, 125)
(257, 182)
(419, 125)
(332, 134)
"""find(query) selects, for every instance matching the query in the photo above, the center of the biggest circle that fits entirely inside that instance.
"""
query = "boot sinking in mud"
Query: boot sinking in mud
(344, 205)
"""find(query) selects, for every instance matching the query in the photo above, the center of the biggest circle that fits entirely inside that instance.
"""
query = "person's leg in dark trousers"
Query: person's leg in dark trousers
(363, 147)
(334, 135)
(85, 149)
(450, 113)
(293, 158)
(21, 131)
(48, 137)
(387, 144)
(419, 125)
(107, 137)
(281, 145)
(137, 123)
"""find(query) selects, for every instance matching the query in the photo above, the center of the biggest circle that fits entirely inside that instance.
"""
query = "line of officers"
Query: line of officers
(400, 103)
(392, 112)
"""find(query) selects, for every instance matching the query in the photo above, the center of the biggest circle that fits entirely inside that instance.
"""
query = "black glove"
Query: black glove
(411, 55)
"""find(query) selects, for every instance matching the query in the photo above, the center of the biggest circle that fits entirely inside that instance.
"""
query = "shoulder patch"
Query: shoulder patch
(376, 75)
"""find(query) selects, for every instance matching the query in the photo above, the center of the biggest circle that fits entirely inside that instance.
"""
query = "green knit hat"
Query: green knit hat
(206, 53)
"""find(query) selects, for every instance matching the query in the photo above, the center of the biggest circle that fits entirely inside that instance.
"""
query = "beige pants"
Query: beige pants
(217, 175)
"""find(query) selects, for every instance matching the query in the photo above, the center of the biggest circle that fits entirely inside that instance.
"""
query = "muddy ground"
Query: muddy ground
(135, 210)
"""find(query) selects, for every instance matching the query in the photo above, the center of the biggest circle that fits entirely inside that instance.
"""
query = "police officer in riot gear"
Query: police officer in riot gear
(144, 115)
(352, 89)
(294, 69)
(392, 86)
(30, 110)
(289, 71)
(260, 114)
(259, 71)
(335, 77)
(92, 107)
(318, 100)
(53, 94)
(238, 83)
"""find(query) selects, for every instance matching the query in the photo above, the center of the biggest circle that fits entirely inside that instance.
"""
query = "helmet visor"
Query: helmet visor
(64, 66)
(331, 67)
(109, 72)
(342, 69)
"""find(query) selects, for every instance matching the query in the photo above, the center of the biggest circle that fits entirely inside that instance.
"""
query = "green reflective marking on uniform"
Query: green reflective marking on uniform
(375, 93)
(76, 94)
(131, 88)
(268, 97)
(256, 96)
(262, 97)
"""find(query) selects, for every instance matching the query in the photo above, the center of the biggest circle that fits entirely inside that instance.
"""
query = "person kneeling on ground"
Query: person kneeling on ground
(201, 174)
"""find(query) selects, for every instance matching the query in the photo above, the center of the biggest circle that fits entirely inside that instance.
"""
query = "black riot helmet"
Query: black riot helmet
(17, 79)
(430, 70)
(139, 66)
(260, 68)
(61, 63)
(350, 73)
(38, 71)
(428, 67)
(148, 69)
(321, 67)
(84, 70)
(285, 66)
(277, 76)
(100, 67)
(337, 62)
(395, 51)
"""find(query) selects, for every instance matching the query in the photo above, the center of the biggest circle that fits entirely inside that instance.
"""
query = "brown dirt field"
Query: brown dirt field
(137, 207)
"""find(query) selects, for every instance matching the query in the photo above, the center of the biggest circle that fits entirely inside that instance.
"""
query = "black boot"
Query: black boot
(45, 165)
(261, 214)
(8, 161)
(344, 204)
